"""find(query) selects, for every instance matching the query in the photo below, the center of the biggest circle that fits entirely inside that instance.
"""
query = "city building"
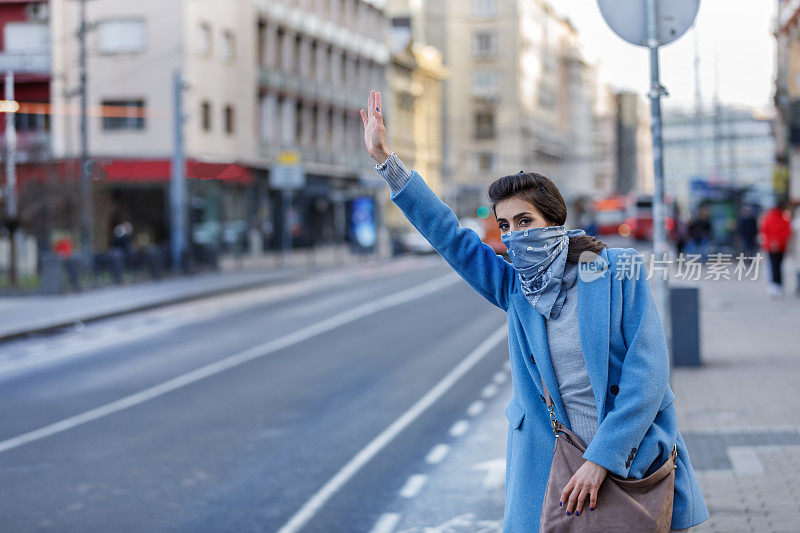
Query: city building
(727, 145)
(519, 96)
(413, 107)
(786, 176)
(261, 79)
(634, 144)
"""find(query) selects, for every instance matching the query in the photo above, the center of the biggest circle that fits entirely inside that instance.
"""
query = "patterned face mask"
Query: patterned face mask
(539, 256)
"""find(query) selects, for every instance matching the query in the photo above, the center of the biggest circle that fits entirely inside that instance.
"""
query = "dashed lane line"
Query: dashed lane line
(437, 453)
(413, 485)
(240, 358)
(315, 503)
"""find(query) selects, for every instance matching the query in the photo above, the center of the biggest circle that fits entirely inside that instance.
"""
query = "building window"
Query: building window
(484, 8)
(484, 83)
(123, 115)
(26, 37)
(484, 44)
(204, 41)
(484, 125)
(229, 120)
(122, 36)
(485, 162)
(205, 116)
(228, 46)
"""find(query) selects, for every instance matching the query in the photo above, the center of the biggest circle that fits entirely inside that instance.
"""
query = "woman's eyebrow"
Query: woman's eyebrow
(515, 216)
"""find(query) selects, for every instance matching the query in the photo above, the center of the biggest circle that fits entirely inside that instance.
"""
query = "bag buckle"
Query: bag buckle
(675, 455)
(553, 419)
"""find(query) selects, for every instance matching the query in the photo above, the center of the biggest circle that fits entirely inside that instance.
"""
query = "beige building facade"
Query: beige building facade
(519, 97)
(413, 108)
(262, 78)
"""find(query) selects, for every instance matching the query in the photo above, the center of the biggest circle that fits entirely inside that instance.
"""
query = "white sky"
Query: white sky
(737, 31)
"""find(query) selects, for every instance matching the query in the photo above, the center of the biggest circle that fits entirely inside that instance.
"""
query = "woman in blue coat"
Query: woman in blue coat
(596, 339)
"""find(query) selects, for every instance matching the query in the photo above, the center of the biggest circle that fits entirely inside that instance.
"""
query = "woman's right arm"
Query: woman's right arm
(475, 261)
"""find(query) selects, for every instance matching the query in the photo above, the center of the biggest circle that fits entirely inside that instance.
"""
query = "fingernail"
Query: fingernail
(591, 508)
(577, 513)
(379, 109)
(568, 512)
(560, 504)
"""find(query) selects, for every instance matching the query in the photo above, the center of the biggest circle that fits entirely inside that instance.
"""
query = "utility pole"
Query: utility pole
(11, 176)
(178, 179)
(656, 91)
(87, 219)
(698, 107)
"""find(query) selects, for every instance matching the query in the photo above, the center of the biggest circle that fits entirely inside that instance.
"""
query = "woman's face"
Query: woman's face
(514, 214)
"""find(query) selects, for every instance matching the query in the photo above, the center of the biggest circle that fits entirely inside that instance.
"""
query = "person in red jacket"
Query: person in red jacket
(775, 230)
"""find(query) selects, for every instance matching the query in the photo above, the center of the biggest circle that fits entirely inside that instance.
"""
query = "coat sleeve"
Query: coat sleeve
(474, 260)
(645, 371)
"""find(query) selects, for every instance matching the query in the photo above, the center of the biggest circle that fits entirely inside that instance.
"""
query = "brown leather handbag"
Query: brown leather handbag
(623, 504)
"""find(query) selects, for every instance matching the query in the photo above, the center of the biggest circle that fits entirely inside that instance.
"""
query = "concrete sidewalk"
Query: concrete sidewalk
(22, 315)
(739, 414)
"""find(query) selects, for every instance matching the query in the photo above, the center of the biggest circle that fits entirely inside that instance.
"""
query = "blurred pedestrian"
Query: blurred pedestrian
(748, 231)
(678, 233)
(610, 383)
(699, 231)
(775, 230)
(63, 247)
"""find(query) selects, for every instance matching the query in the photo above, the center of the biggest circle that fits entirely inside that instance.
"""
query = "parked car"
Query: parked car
(413, 242)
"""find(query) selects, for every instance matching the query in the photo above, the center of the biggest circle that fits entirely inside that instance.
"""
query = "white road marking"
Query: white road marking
(744, 460)
(489, 391)
(310, 508)
(495, 472)
(437, 453)
(500, 378)
(172, 317)
(413, 485)
(459, 428)
(233, 361)
(476, 408)
(386, 523)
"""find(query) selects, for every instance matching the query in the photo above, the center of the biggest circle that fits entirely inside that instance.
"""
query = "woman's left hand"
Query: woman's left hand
(585, 482)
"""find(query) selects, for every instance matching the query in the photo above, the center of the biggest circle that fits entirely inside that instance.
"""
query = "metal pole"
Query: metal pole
(177, 182)
(87, 225)
(287, 225)
(656, 90)
(11, 176)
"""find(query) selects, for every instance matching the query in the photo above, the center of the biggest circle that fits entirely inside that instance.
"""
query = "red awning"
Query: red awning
(159, 170)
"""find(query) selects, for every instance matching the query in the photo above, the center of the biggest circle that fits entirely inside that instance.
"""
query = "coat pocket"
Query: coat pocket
(514, 413)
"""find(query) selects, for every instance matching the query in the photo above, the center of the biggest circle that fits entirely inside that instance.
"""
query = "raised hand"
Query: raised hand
(374, 130)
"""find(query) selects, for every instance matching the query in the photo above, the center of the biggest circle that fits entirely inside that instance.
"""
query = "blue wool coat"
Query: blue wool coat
(624, 347)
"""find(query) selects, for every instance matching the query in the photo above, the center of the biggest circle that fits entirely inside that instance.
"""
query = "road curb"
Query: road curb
(293, 274)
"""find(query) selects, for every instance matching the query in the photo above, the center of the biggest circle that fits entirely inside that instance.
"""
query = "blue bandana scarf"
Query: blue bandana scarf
(539, 256)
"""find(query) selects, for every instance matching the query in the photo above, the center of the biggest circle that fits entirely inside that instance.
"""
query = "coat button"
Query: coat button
(614, 389)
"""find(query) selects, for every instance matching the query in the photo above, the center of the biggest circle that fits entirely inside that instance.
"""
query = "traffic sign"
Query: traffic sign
(288, 173)
(628, 19)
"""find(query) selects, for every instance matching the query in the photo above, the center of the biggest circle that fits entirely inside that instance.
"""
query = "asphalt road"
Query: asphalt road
(304, 407)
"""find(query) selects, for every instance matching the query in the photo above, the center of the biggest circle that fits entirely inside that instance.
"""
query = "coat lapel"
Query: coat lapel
(594, 311)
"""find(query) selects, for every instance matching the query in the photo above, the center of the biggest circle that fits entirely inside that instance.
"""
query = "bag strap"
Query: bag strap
(551, 408)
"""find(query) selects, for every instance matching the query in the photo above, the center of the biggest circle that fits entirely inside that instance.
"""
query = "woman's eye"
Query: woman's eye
(524, 221)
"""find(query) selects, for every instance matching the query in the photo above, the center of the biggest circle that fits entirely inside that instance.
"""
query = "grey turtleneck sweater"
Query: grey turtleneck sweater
(566, 355)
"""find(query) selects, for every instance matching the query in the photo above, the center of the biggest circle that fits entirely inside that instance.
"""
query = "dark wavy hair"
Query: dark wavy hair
(540, 191)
